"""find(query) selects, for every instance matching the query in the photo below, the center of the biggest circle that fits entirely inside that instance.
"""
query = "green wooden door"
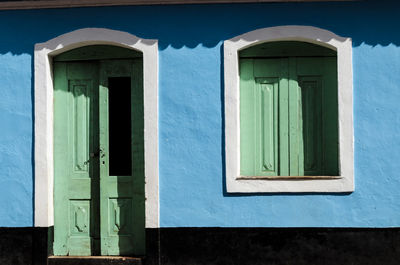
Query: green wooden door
(96, 211)
(76, 182)
(121, 164)
(288, 117)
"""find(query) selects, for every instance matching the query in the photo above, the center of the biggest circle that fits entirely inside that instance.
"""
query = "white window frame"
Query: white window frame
(343, 47)
(44, 158)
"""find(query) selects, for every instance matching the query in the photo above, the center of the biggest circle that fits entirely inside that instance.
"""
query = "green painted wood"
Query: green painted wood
(266, 115)
(262, 144)
(75, 170)
(97, 52)
(284, 118)
(288, 117)
(295, 133)
(96, 213)
(286, 49)
(305, 107)
(317, 78)
(310, 127)
(122, 197)
(247, 121)
(330, 117)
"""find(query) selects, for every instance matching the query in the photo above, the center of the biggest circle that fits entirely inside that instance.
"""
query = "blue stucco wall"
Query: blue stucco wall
(191, 128)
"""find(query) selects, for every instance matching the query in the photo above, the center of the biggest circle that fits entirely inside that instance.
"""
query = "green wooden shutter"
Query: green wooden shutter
(316, 79)
(263, 119)
(330, 117)
(306, 117)
(288, 117)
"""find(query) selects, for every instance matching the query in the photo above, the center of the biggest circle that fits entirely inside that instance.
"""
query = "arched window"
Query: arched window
(284, 131)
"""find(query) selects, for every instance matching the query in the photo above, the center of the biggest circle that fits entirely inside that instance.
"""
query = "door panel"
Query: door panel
(121, 193)
(76, 171)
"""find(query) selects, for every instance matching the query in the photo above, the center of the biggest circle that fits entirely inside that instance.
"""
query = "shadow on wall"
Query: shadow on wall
(370, 22)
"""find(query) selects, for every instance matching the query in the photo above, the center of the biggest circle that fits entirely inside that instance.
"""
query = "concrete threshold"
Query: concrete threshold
(93, 260)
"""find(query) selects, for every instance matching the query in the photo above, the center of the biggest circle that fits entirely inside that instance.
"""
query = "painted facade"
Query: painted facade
(191, 112)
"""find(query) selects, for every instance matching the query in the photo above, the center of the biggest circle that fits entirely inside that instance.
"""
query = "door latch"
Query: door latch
(96, 154)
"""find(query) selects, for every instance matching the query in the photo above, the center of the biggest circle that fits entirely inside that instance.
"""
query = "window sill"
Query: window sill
(294, 178)
(293, 184)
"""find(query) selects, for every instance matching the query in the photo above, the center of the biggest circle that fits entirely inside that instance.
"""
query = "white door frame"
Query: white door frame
(44, 157)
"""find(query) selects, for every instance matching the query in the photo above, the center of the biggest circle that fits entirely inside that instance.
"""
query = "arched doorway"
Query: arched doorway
(44, 115)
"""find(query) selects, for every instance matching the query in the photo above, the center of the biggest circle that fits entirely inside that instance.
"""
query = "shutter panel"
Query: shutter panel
(318, 112)
(295, 132)
(272, 74)
(310, 130)
(264, 138)
(330, 117)
(266, 116)
(247, 120)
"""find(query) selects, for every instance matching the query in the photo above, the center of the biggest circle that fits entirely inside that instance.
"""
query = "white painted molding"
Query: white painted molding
(343, 47)
(35, 4)
(44, 170)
